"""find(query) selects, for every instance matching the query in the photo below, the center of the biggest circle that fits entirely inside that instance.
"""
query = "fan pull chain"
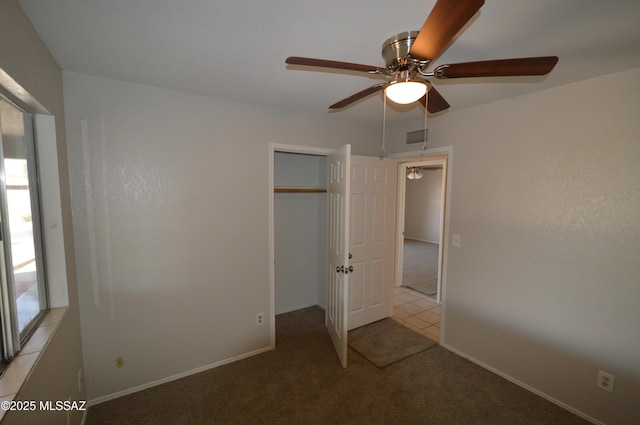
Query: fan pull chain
(426, 102)
(383, 149)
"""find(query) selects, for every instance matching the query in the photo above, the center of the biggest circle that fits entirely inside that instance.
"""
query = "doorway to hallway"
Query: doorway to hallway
(421, 224)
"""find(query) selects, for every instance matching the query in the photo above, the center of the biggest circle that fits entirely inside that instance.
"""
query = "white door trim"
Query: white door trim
(428, 157)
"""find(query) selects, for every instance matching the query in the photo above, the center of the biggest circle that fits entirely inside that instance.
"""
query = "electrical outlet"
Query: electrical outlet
(259, 319)
(119, 361)
(605, 381)
(80, 380)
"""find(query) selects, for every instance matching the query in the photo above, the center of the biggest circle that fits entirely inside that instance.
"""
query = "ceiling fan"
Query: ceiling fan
(408, 56)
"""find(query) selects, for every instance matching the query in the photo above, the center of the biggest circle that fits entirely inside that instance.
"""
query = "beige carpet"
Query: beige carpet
(302, 382)
(386, 342)
(420, 266)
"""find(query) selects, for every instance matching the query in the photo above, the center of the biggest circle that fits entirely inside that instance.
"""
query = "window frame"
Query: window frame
(11, 338)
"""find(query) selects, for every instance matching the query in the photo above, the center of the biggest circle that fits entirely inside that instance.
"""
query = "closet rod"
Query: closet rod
(299, 190)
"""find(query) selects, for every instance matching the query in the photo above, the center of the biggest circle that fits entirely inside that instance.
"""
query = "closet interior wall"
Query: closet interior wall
(300, 229)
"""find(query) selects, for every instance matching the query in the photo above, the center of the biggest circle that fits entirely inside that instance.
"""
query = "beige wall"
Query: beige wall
(545, 287)
(25, 59)
(171, 212)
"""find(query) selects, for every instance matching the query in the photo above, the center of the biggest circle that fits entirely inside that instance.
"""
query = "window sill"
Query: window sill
(21, 366)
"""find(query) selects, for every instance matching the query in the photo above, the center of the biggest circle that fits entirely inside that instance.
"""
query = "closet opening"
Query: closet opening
(298, 195)
(300, 225)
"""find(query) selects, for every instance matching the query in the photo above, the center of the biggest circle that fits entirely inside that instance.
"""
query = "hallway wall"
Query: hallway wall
(422, 207)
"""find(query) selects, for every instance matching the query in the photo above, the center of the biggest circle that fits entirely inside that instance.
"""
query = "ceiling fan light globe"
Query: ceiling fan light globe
(414, 174)
(404, 92)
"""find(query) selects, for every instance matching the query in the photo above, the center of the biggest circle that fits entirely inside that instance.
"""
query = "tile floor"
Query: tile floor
(417, 311)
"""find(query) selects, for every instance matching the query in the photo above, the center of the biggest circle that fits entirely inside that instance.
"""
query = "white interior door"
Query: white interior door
(336, 318)
(372, 239)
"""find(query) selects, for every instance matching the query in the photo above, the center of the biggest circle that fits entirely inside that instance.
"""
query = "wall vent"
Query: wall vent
(416, 136)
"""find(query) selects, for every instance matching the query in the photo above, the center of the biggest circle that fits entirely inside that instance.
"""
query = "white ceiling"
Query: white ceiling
(235, 49)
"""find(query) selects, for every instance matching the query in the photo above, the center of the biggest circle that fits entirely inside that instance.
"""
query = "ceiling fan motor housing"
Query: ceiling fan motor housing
(395, 51)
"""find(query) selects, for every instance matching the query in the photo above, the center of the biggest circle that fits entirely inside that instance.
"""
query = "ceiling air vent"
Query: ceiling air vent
(416, 136)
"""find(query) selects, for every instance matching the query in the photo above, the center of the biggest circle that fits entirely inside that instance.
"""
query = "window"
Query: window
(23, 288)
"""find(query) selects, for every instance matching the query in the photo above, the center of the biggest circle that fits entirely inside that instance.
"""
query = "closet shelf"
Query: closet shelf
(300, 190)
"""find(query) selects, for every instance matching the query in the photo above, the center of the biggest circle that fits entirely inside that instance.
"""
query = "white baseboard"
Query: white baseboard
(175, 377)
(525, 386)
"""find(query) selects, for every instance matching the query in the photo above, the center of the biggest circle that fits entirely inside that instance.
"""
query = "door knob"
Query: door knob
(343, 269)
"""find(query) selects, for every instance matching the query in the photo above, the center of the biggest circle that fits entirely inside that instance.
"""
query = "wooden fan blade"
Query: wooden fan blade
(498, 68)
(360, 95)
(445, 20)
(322, 63)
(436, 101)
